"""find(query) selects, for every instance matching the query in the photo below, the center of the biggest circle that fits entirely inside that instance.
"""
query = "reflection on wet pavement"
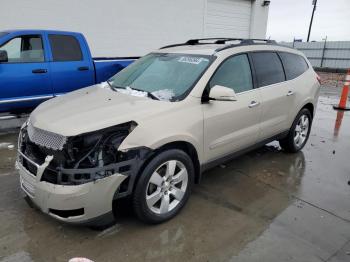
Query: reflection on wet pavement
(263, 206)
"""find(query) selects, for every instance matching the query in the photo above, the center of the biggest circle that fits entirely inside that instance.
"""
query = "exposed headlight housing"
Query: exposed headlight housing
(98, 148)
(85, 157)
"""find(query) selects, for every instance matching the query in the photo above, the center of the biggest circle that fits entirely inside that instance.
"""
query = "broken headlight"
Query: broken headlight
(87, 157)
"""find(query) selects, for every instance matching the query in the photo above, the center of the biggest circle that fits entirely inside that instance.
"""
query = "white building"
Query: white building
(135, 27)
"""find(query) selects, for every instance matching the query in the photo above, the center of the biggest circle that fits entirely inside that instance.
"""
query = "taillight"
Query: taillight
(318, 78)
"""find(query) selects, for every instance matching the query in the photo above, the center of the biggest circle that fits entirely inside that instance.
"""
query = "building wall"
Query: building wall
(135, 27)
(259, 18)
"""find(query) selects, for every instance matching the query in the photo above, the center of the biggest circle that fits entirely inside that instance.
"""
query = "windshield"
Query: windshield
(166, 76)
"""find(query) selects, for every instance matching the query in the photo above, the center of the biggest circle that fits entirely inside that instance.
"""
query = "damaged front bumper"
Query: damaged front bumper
(83, 203)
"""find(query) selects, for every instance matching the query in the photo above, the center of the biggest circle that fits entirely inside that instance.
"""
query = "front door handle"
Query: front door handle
(253, 104)
(83, 68)
(290, 93)
(39, 71)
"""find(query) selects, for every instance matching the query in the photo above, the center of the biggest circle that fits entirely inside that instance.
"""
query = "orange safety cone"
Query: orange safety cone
(344, 94)
(338, 121)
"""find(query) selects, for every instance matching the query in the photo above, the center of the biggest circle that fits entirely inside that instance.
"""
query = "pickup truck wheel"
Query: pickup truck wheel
(164, 186)
(299, 132)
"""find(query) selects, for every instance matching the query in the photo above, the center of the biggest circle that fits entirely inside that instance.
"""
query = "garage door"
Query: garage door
(228, 18)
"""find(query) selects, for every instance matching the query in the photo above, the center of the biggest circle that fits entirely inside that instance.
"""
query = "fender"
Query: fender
(130, 142)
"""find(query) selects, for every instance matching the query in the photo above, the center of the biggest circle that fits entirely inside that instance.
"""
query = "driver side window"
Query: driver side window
(234, 73)
(24, 49)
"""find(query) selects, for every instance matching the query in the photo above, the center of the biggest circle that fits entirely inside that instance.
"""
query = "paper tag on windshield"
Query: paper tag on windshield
(191, 59)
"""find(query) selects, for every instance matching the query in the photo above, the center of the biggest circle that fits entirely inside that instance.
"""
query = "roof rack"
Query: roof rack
(215, 40)
(199, 41)
(222, 40)
(251, 41)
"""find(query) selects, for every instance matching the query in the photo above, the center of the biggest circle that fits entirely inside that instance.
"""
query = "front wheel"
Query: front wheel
(299, 132)
(164, 186)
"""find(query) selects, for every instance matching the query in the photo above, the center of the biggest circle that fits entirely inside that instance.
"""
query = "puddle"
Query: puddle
(6, 145)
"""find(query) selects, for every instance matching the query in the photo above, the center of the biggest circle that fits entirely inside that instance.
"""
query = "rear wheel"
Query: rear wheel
(299, 132)
(164, 186)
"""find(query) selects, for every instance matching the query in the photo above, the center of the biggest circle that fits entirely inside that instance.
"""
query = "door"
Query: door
(232, 125)
(227, 18)
(276, 101)
(71, 65)
(24, 78)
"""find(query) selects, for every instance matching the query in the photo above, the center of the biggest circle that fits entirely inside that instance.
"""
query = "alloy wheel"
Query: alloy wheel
(166, 187)
(301, 131)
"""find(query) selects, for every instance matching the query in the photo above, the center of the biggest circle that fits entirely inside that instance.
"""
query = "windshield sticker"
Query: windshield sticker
(192, 60)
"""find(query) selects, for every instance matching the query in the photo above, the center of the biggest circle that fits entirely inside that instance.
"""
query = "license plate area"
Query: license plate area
(27, 183)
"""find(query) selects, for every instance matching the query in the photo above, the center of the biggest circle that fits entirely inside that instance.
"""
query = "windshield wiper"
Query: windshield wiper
(114, 87)
(149, 94)
(110, 85)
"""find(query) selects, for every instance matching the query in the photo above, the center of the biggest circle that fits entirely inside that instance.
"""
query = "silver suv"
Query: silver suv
(153, 128)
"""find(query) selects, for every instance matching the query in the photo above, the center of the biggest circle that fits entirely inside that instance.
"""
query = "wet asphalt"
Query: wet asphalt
(266, 205)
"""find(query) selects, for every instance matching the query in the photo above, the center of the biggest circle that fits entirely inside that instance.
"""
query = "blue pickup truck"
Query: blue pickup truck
(36, 65)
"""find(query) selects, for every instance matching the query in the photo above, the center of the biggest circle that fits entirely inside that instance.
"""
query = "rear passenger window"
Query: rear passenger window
(234, 73)
(268, 68)
(65, 48)
(294, 65)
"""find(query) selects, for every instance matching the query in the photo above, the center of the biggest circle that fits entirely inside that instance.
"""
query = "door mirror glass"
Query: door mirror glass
(222, 93)
(3, 56)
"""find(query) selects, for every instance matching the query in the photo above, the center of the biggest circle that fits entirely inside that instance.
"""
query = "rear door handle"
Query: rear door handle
(39, 71)
(83, 68)
(290, 93)
(253, 104)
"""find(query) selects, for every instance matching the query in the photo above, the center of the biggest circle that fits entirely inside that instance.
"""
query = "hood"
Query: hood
(94, 108)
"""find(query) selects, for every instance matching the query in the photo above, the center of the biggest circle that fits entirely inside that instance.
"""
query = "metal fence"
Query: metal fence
(331, 54)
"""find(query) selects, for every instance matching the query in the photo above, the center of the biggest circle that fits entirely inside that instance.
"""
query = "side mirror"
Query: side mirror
(3, 56)
(222, 93)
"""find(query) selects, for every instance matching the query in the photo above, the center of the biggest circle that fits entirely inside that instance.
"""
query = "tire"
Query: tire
(291, 143)
(155, 190)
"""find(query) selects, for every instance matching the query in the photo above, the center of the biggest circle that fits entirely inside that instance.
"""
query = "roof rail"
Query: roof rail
(252, 41)
(199, 41)
(222, 40)
(218, 40)
(267, 41)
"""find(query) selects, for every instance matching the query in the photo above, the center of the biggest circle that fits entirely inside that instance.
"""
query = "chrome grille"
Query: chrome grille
(45, 138)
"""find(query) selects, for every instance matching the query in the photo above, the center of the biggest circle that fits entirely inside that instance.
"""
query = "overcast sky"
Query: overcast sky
(291, 18)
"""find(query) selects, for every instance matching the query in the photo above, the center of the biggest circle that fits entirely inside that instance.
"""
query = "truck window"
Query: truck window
(268, 68)
(234, 73)
(294, 65)
(24, 49)
(65, 48)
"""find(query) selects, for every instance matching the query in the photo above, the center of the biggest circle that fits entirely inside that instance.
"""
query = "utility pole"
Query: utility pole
(314, 3)
(324, 50)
